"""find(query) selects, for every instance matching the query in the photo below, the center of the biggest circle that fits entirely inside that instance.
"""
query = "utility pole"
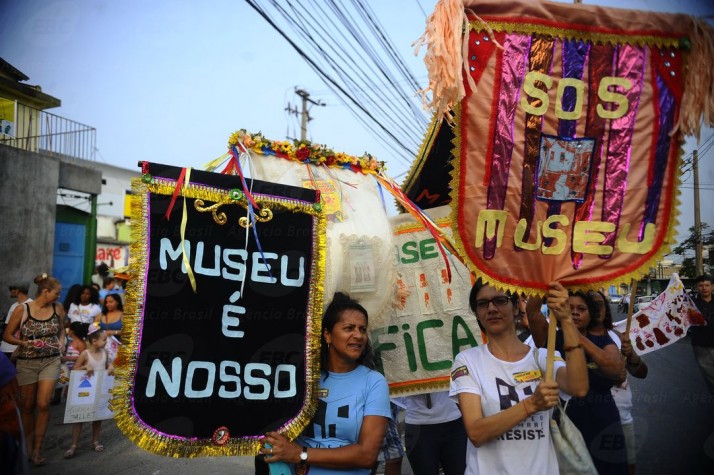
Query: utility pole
(305, 116)
(698, 253)
(291, 111)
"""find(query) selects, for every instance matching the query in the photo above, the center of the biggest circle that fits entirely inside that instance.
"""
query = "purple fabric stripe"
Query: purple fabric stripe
(575, 53)
(515, 56)
(664, 141)
(630, 64)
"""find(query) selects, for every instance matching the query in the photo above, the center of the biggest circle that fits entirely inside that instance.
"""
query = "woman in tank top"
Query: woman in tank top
(38, 331)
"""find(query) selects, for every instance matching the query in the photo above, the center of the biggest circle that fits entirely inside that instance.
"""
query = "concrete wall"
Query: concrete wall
(110, 202)
(28, 196)
(77, 177)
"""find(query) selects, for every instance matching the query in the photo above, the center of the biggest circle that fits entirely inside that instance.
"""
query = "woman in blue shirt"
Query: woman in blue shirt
(353, 401)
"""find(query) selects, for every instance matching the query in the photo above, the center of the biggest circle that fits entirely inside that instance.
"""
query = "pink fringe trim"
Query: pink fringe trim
(446, 46)
(447, 39)
(698, 98)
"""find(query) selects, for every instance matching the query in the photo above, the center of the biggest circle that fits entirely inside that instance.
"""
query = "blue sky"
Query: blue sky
(168, 81)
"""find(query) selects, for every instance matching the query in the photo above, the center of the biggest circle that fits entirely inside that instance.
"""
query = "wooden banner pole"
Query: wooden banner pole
(631, 307)
(552, 324)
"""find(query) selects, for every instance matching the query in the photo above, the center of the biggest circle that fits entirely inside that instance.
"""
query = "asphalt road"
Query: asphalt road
(673, 411)
(674, 414)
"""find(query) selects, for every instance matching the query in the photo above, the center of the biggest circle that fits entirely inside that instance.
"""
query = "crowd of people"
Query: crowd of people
(494, 418)
(40, 336)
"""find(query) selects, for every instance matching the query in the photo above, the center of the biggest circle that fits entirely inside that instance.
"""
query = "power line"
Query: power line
(421, 8)
(327, 77)
(360, 78)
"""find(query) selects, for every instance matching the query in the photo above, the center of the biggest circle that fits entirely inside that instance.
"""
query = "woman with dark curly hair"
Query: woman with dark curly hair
(85, 307)
(595, 414)
(353, 408)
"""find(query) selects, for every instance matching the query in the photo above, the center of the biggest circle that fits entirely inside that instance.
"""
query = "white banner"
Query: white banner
(664, 320)
(88, 397)
(430, 321)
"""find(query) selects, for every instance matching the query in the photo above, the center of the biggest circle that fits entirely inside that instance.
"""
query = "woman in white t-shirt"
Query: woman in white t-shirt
(505, 402)
(434, 434)
(85, 308)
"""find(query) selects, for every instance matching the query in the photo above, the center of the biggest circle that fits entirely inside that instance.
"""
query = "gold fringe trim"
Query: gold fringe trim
(126, 363)
(162, 186)
(573, 34)
(437, 384)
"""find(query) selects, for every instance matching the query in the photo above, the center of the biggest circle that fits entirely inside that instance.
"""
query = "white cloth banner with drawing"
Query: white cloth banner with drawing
(664, 320)
(430, 321)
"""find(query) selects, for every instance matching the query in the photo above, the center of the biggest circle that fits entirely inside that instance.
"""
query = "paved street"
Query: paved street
(674, 423)
(121, 456)
(674, 414)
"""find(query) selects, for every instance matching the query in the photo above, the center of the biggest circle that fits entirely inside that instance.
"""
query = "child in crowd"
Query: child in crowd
(76, 334)
(76, 345)
(94, 358)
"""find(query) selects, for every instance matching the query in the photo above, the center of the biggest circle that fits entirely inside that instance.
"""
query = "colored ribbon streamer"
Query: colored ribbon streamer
(231, 166)
(177, 190)
(253, 223)
(440, 238)
(184, 221)
(213, 164)
(249, 196)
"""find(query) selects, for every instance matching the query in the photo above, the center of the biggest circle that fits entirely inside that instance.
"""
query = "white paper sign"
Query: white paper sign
(112, 348)
(88, 397)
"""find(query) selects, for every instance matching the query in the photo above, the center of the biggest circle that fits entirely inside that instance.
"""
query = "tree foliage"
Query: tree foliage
(688, 269)
(687, 247)
(690, 243)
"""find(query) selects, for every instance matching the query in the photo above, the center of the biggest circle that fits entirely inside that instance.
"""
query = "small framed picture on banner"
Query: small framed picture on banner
(361, 266)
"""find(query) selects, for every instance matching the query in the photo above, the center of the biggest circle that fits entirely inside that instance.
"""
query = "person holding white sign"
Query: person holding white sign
(93, 359)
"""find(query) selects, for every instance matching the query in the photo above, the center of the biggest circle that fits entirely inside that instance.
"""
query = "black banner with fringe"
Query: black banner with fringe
(224, 308)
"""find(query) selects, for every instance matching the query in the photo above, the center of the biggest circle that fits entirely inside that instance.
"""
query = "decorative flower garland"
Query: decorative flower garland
(305, 151)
